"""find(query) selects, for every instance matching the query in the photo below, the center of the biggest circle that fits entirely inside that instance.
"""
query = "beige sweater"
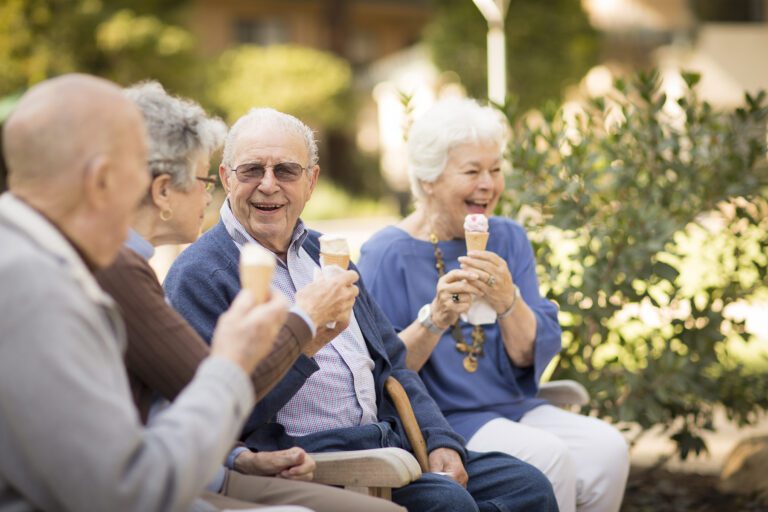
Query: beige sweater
(70, 437)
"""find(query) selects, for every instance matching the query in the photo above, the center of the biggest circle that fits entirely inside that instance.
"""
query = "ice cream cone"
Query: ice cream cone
(476, 240)
(256, 268)
(334, 250)
(341, 260)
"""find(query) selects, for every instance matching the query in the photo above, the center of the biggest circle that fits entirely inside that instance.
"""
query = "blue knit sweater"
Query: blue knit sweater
(201, 285)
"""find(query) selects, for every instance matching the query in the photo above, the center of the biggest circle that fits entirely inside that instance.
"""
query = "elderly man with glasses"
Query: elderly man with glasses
(332, 398)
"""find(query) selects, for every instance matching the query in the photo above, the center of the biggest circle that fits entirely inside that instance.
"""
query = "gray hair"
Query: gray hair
(445, 125)
(178, 130)
(276, 120)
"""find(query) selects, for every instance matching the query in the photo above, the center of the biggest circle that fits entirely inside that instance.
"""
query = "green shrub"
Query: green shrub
(649, 219)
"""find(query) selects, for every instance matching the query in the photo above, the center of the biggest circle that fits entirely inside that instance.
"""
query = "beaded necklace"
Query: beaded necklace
(478, 334)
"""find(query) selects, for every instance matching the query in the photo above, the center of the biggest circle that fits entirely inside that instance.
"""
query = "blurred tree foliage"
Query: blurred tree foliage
(310, 84)
(649, 219)
(123, 40)
(549, 45)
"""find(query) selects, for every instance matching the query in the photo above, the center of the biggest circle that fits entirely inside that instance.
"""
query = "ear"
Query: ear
(427, 187)
(313, 179)
(224, 177)
(160, 191)
(96, 183)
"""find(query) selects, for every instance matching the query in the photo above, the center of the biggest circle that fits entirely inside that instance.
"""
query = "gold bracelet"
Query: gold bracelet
(508, 311)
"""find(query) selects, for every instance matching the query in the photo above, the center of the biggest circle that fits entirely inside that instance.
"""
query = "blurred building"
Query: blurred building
(724, 40)
(361, 31)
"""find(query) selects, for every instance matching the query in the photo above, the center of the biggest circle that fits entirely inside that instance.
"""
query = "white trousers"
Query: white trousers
(586, 459)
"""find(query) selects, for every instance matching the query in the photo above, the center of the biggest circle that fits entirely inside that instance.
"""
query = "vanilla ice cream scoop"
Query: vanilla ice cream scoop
(334, 250)
(256, 268)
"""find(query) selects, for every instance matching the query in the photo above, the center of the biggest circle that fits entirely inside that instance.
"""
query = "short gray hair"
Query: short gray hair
(445, 125)
(276, 120)
(178, 129)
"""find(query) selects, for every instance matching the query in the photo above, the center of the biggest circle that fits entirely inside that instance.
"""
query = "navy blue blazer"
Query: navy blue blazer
(204, 281)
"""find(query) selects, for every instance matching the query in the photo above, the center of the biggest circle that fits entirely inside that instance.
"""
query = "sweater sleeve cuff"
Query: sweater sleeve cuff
(234, 378)
(230, 462)
(442, 441)
(307, 320)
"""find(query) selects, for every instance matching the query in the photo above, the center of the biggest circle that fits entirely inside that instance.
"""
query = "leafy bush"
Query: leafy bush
(305, 82)
(123, 40)
(649, 220)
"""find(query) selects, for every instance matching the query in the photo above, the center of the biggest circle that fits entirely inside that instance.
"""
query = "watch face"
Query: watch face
(424, 313)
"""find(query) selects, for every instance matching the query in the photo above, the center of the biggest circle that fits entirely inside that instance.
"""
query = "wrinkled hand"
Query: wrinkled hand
(292, 464)
(448, 461)
(486, 264)
(327, 300)
(463, 283)
(246, 333)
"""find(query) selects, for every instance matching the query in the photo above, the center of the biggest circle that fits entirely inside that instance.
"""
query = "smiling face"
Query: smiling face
(471, 182)
(268, 209)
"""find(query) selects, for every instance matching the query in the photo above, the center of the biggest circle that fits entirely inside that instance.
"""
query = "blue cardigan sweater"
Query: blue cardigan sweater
(201, 285)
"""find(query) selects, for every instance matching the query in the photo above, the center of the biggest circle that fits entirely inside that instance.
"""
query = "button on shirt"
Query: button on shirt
(342, 392)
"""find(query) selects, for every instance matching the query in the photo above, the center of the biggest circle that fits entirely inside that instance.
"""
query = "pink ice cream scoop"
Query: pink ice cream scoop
(476, 222)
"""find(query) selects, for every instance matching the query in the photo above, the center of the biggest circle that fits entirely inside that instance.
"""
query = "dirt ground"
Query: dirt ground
(665, 491)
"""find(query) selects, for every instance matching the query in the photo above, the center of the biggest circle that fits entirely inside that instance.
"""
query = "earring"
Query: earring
(166, 215)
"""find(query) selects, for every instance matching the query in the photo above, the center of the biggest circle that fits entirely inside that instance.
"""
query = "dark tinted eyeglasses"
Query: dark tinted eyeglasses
(210, 183)
(283, 171)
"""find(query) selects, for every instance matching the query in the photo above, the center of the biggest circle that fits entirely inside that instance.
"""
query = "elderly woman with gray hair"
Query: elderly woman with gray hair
(482, 363)
(164, 351)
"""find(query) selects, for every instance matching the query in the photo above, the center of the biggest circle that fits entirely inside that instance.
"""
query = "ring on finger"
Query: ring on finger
(491, 280)
(455, 298)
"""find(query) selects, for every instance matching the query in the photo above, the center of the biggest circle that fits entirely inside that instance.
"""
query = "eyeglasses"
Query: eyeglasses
(210, 183)
(283, 171)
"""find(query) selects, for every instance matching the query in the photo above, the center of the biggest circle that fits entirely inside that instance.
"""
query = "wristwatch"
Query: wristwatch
(425, 318)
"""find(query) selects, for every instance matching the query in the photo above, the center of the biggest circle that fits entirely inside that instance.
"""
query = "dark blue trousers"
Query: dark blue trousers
(497, 482)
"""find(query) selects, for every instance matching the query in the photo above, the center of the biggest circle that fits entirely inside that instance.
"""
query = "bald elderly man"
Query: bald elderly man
(70, 437)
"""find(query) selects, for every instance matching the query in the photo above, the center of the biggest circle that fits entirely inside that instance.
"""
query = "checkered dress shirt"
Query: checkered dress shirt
(342, 392)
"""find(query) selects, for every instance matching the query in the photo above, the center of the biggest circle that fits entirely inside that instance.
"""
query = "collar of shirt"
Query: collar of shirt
(53, 241)
(139, 245)
(241, 236)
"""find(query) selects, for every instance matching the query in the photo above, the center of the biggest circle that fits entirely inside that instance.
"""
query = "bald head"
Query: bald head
(60, 124)
(75, 148)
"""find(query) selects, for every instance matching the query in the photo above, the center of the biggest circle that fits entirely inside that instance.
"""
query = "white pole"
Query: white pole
(497, 69)
(494, 12)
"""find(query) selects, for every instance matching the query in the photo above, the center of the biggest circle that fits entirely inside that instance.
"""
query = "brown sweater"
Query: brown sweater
(164, 351)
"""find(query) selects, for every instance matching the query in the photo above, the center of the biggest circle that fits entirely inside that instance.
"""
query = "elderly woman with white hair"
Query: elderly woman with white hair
(484, 375)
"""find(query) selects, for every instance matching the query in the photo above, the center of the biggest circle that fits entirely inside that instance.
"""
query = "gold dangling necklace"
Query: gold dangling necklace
(478, 334)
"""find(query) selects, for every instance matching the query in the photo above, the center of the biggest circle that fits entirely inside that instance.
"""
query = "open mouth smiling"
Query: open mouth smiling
(476, 206)
(267, 207)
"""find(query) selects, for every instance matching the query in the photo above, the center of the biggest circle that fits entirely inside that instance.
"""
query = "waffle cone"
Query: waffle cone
(257, 279)
(340, 260)
(476, 240)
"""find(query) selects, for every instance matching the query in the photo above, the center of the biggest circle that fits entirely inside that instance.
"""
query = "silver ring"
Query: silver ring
(491, 281)
(455, 298)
